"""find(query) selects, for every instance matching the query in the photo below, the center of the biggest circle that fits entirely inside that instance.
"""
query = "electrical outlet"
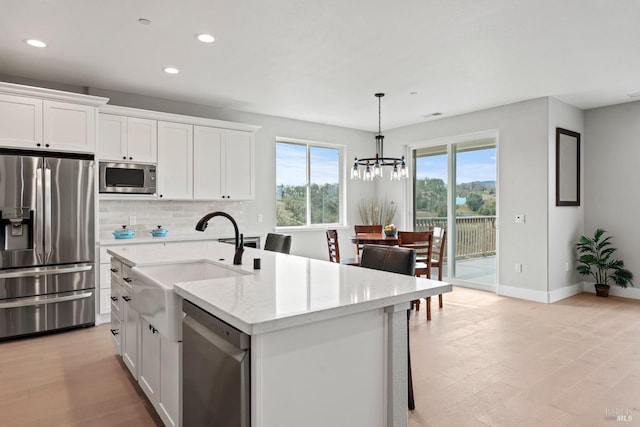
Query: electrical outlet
(520, 219)
(518, 268)
(132, 220)
(259, 217)
(566, 266)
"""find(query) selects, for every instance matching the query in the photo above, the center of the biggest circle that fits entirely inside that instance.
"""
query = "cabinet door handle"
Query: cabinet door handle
(114, 298)
(126, 279)
(126, 298)
(115, 270)
(114, 332)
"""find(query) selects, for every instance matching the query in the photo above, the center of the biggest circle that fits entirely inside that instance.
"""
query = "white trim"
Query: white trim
(522, 293)
(51, 94)
(176, 118)
(565, 292)
(614, 291)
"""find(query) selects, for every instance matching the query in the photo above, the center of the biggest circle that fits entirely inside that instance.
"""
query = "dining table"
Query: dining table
(374, 239)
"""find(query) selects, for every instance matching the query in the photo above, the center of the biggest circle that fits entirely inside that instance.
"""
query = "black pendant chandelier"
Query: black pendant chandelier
(373, 165)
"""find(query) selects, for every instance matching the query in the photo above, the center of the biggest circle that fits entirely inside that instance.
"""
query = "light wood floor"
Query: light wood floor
(482, 360)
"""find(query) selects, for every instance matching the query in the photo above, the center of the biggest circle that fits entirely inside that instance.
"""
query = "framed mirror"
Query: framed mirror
(567, 168)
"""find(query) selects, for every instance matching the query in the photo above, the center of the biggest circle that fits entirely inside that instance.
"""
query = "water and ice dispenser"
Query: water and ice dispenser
(16, 229)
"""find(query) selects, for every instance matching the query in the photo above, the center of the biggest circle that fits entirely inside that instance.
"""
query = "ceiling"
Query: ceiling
(323, 60)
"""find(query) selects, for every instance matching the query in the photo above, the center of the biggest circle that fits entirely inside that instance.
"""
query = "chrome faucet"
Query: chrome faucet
(239, 238)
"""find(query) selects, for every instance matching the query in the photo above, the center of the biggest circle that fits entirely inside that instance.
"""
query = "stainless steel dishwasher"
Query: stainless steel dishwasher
(216, 383)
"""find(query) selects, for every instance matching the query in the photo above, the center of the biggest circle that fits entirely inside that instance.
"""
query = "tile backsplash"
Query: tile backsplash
(179, 217)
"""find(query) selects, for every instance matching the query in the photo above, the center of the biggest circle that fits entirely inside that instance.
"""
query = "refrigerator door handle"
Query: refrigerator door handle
(37, 243)
(47, 214)
(46, 299)
(43, 271)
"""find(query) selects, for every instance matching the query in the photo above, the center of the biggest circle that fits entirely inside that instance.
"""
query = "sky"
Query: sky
(476, 165)
(291, 164)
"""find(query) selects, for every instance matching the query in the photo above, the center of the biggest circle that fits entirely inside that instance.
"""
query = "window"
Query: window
(308, 183)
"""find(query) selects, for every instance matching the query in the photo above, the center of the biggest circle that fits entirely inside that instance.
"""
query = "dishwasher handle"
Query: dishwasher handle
(221, 329)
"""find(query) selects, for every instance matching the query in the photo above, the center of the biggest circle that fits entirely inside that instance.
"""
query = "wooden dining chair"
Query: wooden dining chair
(396, 260)
(334, 250)
(422, 242)
(365, 229)
(437, 260)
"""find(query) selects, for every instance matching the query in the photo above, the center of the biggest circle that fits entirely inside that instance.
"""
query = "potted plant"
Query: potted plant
(596, 260)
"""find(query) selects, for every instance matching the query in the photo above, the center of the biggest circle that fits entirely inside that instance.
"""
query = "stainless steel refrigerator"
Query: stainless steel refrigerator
(47, 253)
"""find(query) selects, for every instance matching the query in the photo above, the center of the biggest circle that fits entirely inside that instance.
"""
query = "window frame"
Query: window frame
(342, 185)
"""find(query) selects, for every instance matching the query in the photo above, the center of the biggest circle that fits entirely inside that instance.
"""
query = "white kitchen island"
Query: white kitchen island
(328, 341)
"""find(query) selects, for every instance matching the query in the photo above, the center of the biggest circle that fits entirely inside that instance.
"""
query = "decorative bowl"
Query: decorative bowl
(390, 233)
(125, 233)
(159, 232)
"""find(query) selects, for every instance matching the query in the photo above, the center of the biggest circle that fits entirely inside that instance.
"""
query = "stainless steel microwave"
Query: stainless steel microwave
(127, 178)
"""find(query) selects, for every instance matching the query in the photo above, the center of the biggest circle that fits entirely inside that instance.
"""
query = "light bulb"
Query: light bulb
(367, 174)
(404, 173)
(355, 172)
(394, 175)
(377, 170)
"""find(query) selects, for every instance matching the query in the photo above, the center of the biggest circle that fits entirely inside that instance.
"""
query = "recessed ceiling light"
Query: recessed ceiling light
(205, 38)
(35, 43)
(170, 70)
(144, 21)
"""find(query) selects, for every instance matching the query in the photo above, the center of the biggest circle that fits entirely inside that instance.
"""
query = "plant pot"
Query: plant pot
(602, 290)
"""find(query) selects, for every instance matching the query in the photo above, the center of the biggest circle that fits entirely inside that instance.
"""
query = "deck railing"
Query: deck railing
(476, 235)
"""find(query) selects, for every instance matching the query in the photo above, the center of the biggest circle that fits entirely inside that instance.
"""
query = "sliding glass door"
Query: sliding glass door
(455, 188)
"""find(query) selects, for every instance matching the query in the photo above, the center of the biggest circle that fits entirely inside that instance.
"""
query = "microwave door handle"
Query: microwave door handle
(38, 243)
(48, 246)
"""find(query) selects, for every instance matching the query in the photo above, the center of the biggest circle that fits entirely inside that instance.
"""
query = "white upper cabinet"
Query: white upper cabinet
(127, 139)
(69, 127)
(45, 119)
(223, 164)
(207, 155)
(20, 121)
(239, 165)
(175, 161)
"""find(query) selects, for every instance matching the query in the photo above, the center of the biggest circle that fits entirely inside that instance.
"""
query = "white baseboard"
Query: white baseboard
(521, 293)
(565, 292)
(615, 291)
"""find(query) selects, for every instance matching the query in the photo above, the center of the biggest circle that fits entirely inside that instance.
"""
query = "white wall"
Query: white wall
(522, 185)
(566, 223)
(612, 174)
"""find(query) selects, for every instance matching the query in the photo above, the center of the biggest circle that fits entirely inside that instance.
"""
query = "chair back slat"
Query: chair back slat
(365, 229)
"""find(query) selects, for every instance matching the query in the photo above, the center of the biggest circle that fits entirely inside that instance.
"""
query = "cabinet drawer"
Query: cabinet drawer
(116, 270)
(126, 279)
(116, 334)
(116, 302)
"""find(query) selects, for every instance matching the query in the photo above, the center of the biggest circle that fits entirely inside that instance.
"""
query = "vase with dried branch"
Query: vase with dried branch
(374, 211)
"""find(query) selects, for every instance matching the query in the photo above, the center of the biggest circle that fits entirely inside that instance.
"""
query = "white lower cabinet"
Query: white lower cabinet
(160, 373)
(149, 378)
(131, 334)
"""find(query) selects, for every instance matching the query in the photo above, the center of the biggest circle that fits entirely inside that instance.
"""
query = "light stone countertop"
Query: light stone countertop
(287, 291)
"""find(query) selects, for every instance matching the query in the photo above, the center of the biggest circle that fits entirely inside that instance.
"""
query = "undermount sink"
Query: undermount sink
(153, 295)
